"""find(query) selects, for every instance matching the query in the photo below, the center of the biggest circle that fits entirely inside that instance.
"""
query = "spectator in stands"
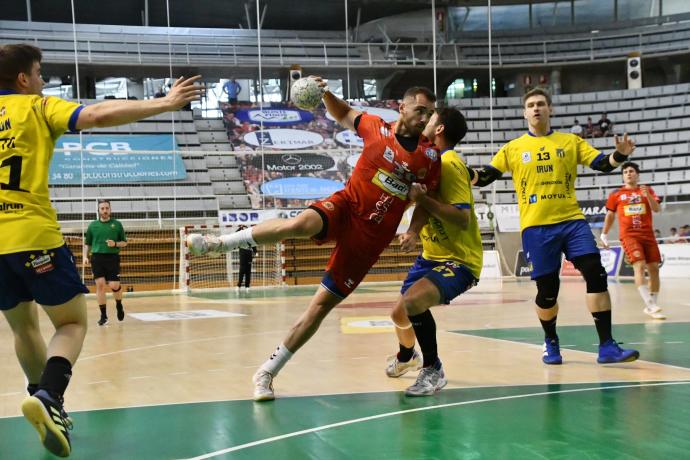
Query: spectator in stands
(604, 125)
(577, 128)
(104, 238)
(674, 237)
(232, 89)
(33, 234)
(160, 92)
(589, 129)
(551, 220)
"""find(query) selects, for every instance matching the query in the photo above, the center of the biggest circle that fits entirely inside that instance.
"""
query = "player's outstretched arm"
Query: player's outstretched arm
(484, 176)
(625, 146)
(341, 110)
(115, 113)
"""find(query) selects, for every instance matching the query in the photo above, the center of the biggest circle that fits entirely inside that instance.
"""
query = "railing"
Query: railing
(156, 49)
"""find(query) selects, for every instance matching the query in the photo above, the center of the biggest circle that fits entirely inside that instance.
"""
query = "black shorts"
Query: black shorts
(106, 266)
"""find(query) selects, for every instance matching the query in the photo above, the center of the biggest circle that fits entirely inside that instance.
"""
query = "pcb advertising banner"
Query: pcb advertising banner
(115, 159)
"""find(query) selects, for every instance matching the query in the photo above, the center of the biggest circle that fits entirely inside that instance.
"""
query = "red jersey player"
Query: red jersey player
(634, 204)
(362, 218)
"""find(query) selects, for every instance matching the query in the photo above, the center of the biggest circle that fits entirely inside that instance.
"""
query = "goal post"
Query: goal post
(222, 272)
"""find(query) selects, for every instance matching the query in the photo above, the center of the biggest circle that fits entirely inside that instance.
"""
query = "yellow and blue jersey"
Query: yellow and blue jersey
(445, 241)
(544, 169)
(29, 127)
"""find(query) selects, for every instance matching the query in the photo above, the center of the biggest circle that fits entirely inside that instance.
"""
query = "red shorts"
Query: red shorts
(641, 248)
(359, 243)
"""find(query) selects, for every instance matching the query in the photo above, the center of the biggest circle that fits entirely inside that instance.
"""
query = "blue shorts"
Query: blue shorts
(544, 244)
(450, 278)
(48, 276)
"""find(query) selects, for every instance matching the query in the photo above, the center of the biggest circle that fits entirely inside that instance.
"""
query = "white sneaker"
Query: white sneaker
(429, 381)
(263, 386)
(654, 312)
(396, 368)
(200, 245)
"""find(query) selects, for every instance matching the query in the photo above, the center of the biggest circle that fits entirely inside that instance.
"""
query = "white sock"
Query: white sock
(646, 296)
(278, 359)
(237, 239)
(652, 298)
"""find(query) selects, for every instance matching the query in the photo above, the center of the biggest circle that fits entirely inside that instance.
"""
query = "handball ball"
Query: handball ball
(306, 93)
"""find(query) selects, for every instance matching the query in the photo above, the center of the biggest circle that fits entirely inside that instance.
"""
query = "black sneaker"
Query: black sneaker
(45, 413)
(120, 313)
(103, 321)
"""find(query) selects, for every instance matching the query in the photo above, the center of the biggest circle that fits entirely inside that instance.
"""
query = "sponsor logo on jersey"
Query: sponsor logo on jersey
(634, 209)
(551, 182)
(526, 157)
(432, 154)
(391, 184)
(328, 205)
(544, 169)
(532, 199)
(552, 196)
(5, 125)
(560, 153)
(10, 206)
(388, 155)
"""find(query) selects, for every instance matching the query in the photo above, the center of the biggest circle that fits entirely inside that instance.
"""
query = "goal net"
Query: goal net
(222, 272)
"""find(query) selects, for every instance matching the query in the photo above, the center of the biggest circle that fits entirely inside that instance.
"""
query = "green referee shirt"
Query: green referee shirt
(99, 232)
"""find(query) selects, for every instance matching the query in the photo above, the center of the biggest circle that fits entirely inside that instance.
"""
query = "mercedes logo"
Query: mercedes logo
(291, 159)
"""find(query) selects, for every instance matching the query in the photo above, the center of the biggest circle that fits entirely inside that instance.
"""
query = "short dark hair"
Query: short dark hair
(16, 59)
(412, 92)
(454, 124)
(102, 200)
(537, 92)
(630, 164)
(674, 229)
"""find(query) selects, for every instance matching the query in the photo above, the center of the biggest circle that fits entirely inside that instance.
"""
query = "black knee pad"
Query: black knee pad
(116, 290)
(593, 272)
(547, 290)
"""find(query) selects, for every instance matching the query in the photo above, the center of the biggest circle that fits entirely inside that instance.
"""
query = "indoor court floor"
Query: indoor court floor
(173, 381)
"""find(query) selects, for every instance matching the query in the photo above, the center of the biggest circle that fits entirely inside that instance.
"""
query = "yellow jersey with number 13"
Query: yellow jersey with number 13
(29, 127)
(544, 169)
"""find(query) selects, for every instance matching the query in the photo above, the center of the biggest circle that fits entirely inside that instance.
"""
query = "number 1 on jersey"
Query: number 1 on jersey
(15, 165)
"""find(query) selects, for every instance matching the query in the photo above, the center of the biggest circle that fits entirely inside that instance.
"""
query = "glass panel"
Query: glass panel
(593, 11)
(637, 9)
(675, 7)
(510, 17)
(551, 14)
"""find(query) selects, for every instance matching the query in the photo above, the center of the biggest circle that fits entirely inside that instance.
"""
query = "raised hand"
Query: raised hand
(626, 145)
(184, 91)
(416, 191)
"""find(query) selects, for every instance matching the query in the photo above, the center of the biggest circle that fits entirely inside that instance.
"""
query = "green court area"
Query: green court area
(661, 342)
(592, 421)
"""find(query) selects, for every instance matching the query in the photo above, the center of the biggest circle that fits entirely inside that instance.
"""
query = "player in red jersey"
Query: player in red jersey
(634, 204)
(362, 218)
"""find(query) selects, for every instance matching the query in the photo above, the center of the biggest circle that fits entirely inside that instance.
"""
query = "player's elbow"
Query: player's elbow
(91, 117)
(461, 218)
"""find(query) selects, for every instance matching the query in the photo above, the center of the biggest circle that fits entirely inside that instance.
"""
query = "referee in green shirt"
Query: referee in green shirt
(103, 241)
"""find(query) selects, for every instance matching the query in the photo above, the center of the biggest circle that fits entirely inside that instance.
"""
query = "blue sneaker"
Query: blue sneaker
(552, 352)
(45, 413)
(610, 352)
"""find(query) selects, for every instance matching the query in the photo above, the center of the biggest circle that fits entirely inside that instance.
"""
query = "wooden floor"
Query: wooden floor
(487, 338)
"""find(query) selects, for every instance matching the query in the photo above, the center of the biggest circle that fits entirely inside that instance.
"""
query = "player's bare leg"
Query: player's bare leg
(407, 358)
(649, 290)
(305, 225)
(28, 342)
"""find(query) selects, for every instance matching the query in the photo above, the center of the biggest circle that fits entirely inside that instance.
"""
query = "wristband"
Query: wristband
(619, 157)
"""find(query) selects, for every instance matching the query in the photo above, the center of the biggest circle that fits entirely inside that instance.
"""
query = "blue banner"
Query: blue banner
(305, 188)
(274, 116)
(116, 159)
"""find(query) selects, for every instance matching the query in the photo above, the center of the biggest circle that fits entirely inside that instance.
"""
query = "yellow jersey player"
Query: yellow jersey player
(451, 260)
(544, 163)
(35, 263)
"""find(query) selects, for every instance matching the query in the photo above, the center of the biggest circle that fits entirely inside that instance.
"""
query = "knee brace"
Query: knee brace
(119, 288)
(593, 272)
(547, 290)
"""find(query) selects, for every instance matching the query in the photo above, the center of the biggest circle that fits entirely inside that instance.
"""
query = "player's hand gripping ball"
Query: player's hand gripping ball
(306, 93)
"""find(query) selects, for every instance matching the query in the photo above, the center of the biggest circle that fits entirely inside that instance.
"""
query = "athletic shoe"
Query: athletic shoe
(610, 352)
(552, 352)
(45, 413)
(200, 245)
(429, 381)
(120, 313)
(103, 321)
(654, 312)
(396, 368)
(263, 386)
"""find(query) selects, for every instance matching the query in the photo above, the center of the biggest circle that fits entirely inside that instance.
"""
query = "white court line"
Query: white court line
(419, 409)
(97, 382)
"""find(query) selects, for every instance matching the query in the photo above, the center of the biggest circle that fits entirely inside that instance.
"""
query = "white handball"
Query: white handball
(306, 93)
